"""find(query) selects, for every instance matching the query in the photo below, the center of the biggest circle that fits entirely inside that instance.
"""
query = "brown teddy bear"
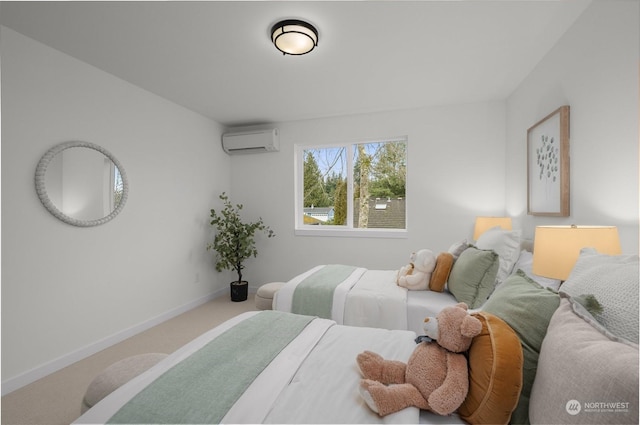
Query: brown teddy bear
(436, 376)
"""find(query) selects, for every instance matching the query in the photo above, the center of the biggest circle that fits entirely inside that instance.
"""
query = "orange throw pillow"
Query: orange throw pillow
(495, 373)
(440, 275)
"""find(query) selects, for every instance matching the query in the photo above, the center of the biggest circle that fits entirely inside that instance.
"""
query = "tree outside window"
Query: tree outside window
(360, 185)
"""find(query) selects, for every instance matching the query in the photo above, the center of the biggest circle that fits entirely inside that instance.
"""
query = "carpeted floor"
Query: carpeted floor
(56, 399)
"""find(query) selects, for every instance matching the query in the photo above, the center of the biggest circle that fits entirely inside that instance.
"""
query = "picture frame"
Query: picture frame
(548, 165)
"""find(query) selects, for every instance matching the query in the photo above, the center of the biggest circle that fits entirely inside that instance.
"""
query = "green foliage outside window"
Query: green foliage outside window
(379, 171)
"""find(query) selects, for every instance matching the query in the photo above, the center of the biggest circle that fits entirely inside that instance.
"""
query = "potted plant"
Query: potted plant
(235, 242)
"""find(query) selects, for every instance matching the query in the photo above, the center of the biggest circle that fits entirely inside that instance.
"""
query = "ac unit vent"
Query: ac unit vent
(254, 141)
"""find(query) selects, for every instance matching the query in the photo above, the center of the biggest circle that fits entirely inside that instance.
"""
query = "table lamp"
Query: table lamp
(556, 248)
(485, 223)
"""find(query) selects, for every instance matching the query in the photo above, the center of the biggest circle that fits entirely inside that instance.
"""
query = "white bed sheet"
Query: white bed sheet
(421, 304)
(376, 301)
(371, 298)
(321, 397)
(314, 380)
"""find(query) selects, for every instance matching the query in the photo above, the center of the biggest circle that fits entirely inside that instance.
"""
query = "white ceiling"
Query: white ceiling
(216, 58)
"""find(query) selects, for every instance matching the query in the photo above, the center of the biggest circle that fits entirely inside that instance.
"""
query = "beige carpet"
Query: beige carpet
(56, 399)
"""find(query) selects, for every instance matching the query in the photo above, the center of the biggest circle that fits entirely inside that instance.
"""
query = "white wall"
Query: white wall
(456, 170)
(594, 69)
(66, 288)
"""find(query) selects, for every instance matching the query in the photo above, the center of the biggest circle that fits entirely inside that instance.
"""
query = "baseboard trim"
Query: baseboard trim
(48, 368)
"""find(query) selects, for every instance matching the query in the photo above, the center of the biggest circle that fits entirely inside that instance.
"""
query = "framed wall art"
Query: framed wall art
(548, 165)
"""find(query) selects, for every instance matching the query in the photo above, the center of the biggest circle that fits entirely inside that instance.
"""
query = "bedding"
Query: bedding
(357, 296)
(606, 393)
(296, 369)
(440, 275)
(527, 308)
(505, 243)
(619, 297)
(368, 298)
(525, 264)
(473, 276)
(495, 373)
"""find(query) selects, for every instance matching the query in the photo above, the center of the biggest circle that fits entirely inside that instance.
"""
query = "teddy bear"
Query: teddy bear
(435, 378)
(415, 276)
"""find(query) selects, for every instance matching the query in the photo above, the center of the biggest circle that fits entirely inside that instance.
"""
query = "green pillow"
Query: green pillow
(473, 276)
(527, 307)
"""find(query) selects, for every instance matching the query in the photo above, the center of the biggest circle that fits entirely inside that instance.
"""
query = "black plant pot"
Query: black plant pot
(239, 291)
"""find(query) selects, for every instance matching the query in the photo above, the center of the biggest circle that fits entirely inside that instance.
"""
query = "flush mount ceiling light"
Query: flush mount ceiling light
(294, 37)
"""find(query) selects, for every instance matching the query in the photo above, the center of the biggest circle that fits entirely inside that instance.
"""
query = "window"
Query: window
(356, 189)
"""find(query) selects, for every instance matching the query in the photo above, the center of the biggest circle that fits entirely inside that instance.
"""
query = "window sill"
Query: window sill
(351, 233)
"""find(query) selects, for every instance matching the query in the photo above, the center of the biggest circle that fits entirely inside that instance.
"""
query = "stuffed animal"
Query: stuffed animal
(436, 376)
(415, 276)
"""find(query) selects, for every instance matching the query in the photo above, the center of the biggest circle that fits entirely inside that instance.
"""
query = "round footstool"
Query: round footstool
(117, 375)
(264, 296)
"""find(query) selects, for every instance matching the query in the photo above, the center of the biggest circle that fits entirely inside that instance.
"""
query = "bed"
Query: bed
(306, 371)
(262, 367)
(357, 296)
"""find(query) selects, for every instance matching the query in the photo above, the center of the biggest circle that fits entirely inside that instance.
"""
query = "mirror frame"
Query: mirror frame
(41, 189)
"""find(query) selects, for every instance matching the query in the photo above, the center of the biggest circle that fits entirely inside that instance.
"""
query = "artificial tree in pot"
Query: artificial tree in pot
(234, 242)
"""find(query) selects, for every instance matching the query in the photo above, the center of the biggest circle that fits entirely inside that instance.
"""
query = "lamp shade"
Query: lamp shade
(294, 37)
(485, 223)
(556, 248)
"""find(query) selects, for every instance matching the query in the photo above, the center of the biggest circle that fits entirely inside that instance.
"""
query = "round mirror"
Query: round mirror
(81, 183)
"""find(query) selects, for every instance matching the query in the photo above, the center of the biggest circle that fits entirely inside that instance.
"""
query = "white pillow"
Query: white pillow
(457, 248)
(505, 243)
(525, 263)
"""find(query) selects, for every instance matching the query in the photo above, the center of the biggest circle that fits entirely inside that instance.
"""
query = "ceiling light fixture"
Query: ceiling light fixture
(294, 37)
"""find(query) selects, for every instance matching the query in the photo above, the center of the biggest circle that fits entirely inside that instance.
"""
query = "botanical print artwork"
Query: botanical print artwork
(547, 154)
(544, 178)
(548, 165)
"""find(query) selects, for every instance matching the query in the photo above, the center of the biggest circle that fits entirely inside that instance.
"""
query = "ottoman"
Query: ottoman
(264, 296)
(117, 375)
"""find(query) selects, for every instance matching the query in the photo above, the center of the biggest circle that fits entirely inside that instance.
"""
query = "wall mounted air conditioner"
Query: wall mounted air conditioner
(251, 141)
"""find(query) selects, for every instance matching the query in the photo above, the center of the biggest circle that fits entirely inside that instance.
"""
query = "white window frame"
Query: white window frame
(347, 230)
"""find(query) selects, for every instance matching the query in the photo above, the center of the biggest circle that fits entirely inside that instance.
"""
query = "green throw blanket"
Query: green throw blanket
(203, 387)
(314, 295)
